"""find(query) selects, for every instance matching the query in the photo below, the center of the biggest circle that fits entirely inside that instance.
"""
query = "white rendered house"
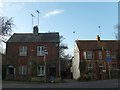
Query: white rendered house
(75, 63)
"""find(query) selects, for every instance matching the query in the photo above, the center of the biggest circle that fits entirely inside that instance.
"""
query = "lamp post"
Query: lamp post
(109, 60)
(45, 67)
(45, 52)
(109, 66)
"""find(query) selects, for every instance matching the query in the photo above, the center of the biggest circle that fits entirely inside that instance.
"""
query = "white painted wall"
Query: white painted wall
(75, 63)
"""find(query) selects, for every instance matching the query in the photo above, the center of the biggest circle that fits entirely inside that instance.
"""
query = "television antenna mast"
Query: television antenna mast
(99, 30)
(32, 19)
(38, 16)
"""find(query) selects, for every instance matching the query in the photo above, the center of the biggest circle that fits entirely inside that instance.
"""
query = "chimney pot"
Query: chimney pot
(98, 38)
(35, 30)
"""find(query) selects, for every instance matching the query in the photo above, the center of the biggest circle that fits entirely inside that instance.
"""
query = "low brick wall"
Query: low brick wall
(40, 79)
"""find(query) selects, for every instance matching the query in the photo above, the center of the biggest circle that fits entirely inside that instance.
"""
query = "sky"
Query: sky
(83, 18)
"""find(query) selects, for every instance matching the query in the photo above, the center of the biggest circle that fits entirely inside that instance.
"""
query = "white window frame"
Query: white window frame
(108, 53)
(23, 51)
(85, 55)
(40, 50)
(101, 66)
(10, 66)
(99, 55)
(88, 55)
(41, 70)
(22, 70)
(90, 67)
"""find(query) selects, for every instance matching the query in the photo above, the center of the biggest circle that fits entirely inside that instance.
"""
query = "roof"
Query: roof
(94, 44)
(31, 37)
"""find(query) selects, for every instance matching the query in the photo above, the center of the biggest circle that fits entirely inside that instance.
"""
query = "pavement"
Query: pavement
(70, 81)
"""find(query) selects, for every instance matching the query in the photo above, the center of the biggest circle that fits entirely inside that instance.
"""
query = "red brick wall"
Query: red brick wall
(13, 57)
(96, 60)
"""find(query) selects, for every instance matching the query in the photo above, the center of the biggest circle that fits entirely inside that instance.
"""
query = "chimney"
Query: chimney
(98, 38)
(35, 30)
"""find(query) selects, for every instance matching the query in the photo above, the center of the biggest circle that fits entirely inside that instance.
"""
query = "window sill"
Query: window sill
(40, 75)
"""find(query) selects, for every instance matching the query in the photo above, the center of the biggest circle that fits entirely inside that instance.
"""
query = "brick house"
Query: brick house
(95, 58)
(32, 55)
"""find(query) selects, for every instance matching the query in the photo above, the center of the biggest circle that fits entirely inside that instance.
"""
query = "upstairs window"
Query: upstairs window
(40, 50)
(85, 55)
(107, 53)
(100, 55)
(23, 51)
(88, 55)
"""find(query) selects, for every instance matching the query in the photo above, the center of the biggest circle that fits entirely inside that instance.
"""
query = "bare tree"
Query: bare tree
(6, 25)
(62, 47)
(117, 32)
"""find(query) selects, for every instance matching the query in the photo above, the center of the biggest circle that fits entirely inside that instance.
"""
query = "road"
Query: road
(68, 84)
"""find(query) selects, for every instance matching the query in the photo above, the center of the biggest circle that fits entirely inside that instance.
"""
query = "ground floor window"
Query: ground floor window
(41, 70)
(90, 67)
(101, 67)
(22, 70)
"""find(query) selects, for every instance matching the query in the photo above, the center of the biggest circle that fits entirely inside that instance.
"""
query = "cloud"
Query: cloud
(53, 13)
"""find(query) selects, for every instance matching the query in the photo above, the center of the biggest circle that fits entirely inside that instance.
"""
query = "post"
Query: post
(32, 19)
(59, 64)
(38, 17)
(109, 70)
(45, 68)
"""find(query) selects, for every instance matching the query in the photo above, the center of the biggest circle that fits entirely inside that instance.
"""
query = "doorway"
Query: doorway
(11, 70)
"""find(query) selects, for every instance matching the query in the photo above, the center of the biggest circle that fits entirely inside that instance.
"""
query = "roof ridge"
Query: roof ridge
(39, 33)
(31, 37)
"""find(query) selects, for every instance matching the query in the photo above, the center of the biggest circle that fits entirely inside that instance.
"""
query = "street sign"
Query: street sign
(45, 52)
(108, 59)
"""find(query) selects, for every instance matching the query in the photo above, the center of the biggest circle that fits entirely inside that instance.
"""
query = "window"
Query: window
(40, 50)
(23, 51)
(100, 55)
(101, 67)
(90, 67)
(107, 53)
(41, 70)
(22, 70)
(114, 54)
(11, 70)
(88, 55)
(85, 55)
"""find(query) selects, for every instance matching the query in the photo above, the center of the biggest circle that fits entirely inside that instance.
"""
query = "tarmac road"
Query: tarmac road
(68, 84)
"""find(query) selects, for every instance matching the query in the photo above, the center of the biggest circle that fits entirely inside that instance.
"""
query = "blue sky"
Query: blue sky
(65, 17)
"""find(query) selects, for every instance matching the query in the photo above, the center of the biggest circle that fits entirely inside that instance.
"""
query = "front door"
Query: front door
(11, 70)
(52, 71)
